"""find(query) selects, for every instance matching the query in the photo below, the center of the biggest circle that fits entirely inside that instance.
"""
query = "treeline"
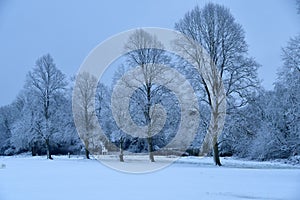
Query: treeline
(259, 124)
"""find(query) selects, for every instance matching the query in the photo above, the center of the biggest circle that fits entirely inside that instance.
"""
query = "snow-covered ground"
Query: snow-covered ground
(35, 178)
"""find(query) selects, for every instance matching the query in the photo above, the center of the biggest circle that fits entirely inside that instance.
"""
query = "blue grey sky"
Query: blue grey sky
(69, 30)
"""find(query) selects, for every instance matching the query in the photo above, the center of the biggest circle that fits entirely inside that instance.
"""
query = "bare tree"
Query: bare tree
(146, 52)
(84, 93)
(216, 30)
(46, 83)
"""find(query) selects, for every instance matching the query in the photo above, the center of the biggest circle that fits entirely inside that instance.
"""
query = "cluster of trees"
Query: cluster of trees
(259, 124)
(271, 128)
(40, 119)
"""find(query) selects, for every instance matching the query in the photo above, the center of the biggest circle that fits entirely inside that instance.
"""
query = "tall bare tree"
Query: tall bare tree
(216, 30)
(146, 52)
(46, 83)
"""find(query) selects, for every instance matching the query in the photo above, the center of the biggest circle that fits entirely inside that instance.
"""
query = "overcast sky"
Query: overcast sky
(69, 30)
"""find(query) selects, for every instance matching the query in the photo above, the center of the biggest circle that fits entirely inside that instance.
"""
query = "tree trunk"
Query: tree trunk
(216, 154)
(150, 149)
(151, 157)
(86, 145)
(121, 156)
(33, 149)
(48, 149)
(211, 143)
(87, 153)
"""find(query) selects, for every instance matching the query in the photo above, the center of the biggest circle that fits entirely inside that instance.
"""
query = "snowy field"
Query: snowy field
(35, 178)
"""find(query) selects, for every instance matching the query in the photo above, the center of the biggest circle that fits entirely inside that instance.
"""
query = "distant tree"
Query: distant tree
(272, 116)
(7, 119)
(84, 110)
(24, 135)
(274, 125)
(216, 30)
(66, 138)
(287, 95)
(46, 84)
